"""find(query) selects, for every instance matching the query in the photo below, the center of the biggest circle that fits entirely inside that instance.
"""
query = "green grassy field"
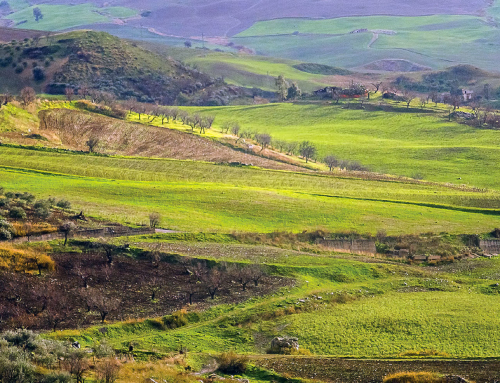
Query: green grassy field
(427, 40)
(399, 142)
(246, 70)
(365, 310)
(197, 196)
(55, 17)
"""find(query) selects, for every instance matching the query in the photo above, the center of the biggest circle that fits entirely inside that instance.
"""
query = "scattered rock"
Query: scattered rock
(280, 344)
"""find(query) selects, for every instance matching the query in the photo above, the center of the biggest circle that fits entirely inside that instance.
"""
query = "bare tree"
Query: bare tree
(83, 91)
(104, 305)
(263, 139)
(307, 150)
(28, 95)
(213, 282)
(69, 92)
(58, 310)
(377, 86)
(192, 288)
(107, 370)
(154, 219)
(331, 161)
(235, 128)
(67, 228)
(76, 363)
(408, 97)
(256, 273)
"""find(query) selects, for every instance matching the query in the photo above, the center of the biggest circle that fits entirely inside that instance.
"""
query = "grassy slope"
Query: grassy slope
(55, 17)
(246, 70)
(429, 40)
(366, 310)
(402, 143)
(204, 197)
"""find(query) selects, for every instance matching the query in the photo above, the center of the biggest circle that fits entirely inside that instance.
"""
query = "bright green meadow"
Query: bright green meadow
(416, 143)
(437, 41)
(197, 196)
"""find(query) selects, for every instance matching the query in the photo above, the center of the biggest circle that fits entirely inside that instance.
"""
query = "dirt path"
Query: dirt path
(373, 40)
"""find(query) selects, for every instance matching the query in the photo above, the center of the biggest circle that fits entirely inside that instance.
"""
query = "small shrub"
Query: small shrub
(17, 213)
(64, 204)
(177, 319)
(56, 377)
(232, 363)
(42, 213)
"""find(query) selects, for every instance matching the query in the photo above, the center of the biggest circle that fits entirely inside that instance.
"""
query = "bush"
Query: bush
(56, 377)
(42, 213)
(232, 363)
(177, 319)
(17, 213)
(15, 366)
(38, 73)
(5, 234)
(64, 204)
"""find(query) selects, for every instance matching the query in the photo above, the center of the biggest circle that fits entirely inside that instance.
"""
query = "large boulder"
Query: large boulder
(281, 345)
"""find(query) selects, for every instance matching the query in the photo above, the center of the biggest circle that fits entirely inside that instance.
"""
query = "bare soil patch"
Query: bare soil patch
(74, 128)
(350, 370)
(124, 288)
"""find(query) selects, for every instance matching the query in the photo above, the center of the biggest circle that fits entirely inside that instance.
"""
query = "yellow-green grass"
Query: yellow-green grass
(429, 40)
(195, 196)
(364, 311)
(398, 142)
(55, 17)
(461, 324)
(244, 69)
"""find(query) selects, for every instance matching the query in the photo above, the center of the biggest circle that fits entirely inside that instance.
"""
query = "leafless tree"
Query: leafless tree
(174, 113)
(213, 282)
(69, 92)
(76, 363)
(83, 91)
(307, 150)
(292, 147)
(28, 95)
(107, 370)
(104, 305)
(192, 288)
(154, 219)
(256, 273)
(58, 310)
(235, 129)
(242, 274)
(263, 139)
(331, 161)
(377, 86)
(408, 97)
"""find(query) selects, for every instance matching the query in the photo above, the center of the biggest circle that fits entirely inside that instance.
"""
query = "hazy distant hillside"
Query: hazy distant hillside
(353, 34)
(227, 18)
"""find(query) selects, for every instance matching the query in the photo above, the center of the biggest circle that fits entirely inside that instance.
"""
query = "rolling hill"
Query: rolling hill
(102, 62)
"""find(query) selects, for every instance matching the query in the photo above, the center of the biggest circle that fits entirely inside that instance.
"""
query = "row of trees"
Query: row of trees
(166, 114)
(86, 286)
